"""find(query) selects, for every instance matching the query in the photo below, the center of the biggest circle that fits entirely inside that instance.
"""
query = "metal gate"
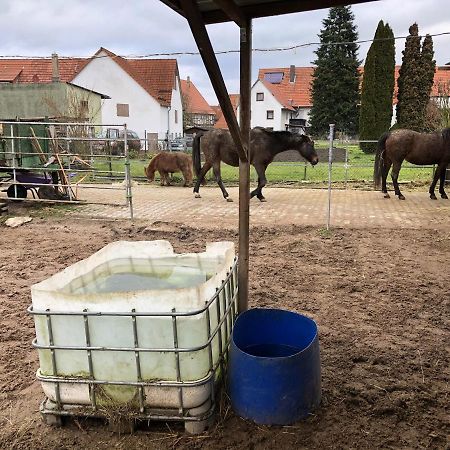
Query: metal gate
(60, 162)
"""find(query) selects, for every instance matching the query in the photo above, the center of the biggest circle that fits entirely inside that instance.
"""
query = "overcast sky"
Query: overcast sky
(138, 27)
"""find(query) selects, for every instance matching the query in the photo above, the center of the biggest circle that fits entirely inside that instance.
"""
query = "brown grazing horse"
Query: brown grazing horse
(217, 146)
(170, 162)
(416, 148)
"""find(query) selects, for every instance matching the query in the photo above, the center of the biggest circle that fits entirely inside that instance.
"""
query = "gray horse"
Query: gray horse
(218, 145)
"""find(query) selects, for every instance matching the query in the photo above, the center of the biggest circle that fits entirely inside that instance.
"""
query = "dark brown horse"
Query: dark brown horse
(217, 146)
(416, 148)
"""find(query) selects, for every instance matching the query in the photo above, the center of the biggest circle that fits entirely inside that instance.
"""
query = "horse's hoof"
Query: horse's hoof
(401, 197)
(444, 196)
(386, 195)
(263, 200)
(229, 199)
(433, 197)
(197, 195)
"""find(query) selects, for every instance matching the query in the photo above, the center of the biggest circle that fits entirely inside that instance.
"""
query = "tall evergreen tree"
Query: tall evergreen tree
(377, 87)
(427, 68)
(415, 81)
(335, 85)
(408, 92)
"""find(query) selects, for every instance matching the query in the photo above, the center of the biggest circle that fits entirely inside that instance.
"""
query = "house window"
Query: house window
(84, 104)
(260, 96)
(176, 116)
(123, 110)
(270, 114)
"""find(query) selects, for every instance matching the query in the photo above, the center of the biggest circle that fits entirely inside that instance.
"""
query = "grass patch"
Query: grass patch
(324, 233)
(359, 168)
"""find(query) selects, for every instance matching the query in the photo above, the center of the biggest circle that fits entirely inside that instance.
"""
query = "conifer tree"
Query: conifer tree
(427, 68)
(415, 81)
(377, 88)
(335, 85)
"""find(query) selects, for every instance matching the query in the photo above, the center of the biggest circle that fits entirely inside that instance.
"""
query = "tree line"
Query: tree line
(366, 108)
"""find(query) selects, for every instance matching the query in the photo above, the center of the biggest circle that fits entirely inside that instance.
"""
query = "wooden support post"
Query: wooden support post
(205, 48)
(244, 165)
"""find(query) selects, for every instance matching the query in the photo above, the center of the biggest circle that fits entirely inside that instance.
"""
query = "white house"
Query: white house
(145, 93)
(280, 98)
(268, 109)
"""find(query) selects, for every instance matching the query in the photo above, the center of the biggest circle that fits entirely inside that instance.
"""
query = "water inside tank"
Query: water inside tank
(137, 275)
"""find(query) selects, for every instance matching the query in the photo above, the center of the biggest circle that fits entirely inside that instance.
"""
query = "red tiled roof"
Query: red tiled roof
(221, 122)
(195, 102)
(441, 80)
(299, 93)
(156, 76)
(279, 94)
(291, 94)
(10, 73)
(39, 70)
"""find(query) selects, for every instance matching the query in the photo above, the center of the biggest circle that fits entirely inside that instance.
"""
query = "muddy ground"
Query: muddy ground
(380, 298)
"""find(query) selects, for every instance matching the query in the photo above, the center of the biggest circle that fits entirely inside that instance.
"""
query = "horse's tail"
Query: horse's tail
(379, 160)
(196, 156)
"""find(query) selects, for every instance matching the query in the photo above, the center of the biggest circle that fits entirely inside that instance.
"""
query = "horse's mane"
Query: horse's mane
(153, 161)
(446, 135)
(280, 134)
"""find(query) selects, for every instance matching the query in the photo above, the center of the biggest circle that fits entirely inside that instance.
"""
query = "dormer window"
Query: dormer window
(273, 77)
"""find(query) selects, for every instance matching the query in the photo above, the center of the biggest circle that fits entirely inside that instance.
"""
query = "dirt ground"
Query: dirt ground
(380, 297)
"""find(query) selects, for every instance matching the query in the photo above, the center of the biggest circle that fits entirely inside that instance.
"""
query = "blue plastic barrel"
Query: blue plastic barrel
(274, 367)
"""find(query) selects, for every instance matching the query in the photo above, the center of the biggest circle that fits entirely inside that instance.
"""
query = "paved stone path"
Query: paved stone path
(349, 208)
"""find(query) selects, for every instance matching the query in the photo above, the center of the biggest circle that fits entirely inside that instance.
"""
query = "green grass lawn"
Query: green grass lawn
(360, 168)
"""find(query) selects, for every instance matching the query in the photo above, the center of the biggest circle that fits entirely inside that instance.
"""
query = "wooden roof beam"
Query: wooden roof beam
(274, 8)
(203, 42)
(233, 11)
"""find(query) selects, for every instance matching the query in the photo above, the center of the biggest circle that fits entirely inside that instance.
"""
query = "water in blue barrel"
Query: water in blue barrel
(274, 367)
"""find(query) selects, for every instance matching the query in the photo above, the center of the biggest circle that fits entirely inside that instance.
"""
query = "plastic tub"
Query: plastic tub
(274, 368)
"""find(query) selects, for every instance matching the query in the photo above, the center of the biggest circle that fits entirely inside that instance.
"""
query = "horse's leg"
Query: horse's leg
(185, 174)
(395, 171)
(262, 181)
(437, 175)
(200, 178)
(162, 176)
(442, 182)
(384, 173)
(216, 169)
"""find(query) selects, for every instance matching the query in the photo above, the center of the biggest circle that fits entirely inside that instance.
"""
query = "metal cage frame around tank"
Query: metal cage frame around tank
(225, 298)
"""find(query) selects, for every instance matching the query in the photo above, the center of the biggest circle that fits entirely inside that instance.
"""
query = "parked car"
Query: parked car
(178, 145)
(117, 146)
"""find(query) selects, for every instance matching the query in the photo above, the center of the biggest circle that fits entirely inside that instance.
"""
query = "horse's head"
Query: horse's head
(150, 173)
(305, 146)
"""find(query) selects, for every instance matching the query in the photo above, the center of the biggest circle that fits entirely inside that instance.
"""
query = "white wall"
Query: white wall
(260, 108)
(167, 115)
(145, 113)
(176, 105)
(303, 113)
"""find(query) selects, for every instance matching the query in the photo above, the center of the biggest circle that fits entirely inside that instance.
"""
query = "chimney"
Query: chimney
(188, 79)
(292, 74)
(55, 68)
